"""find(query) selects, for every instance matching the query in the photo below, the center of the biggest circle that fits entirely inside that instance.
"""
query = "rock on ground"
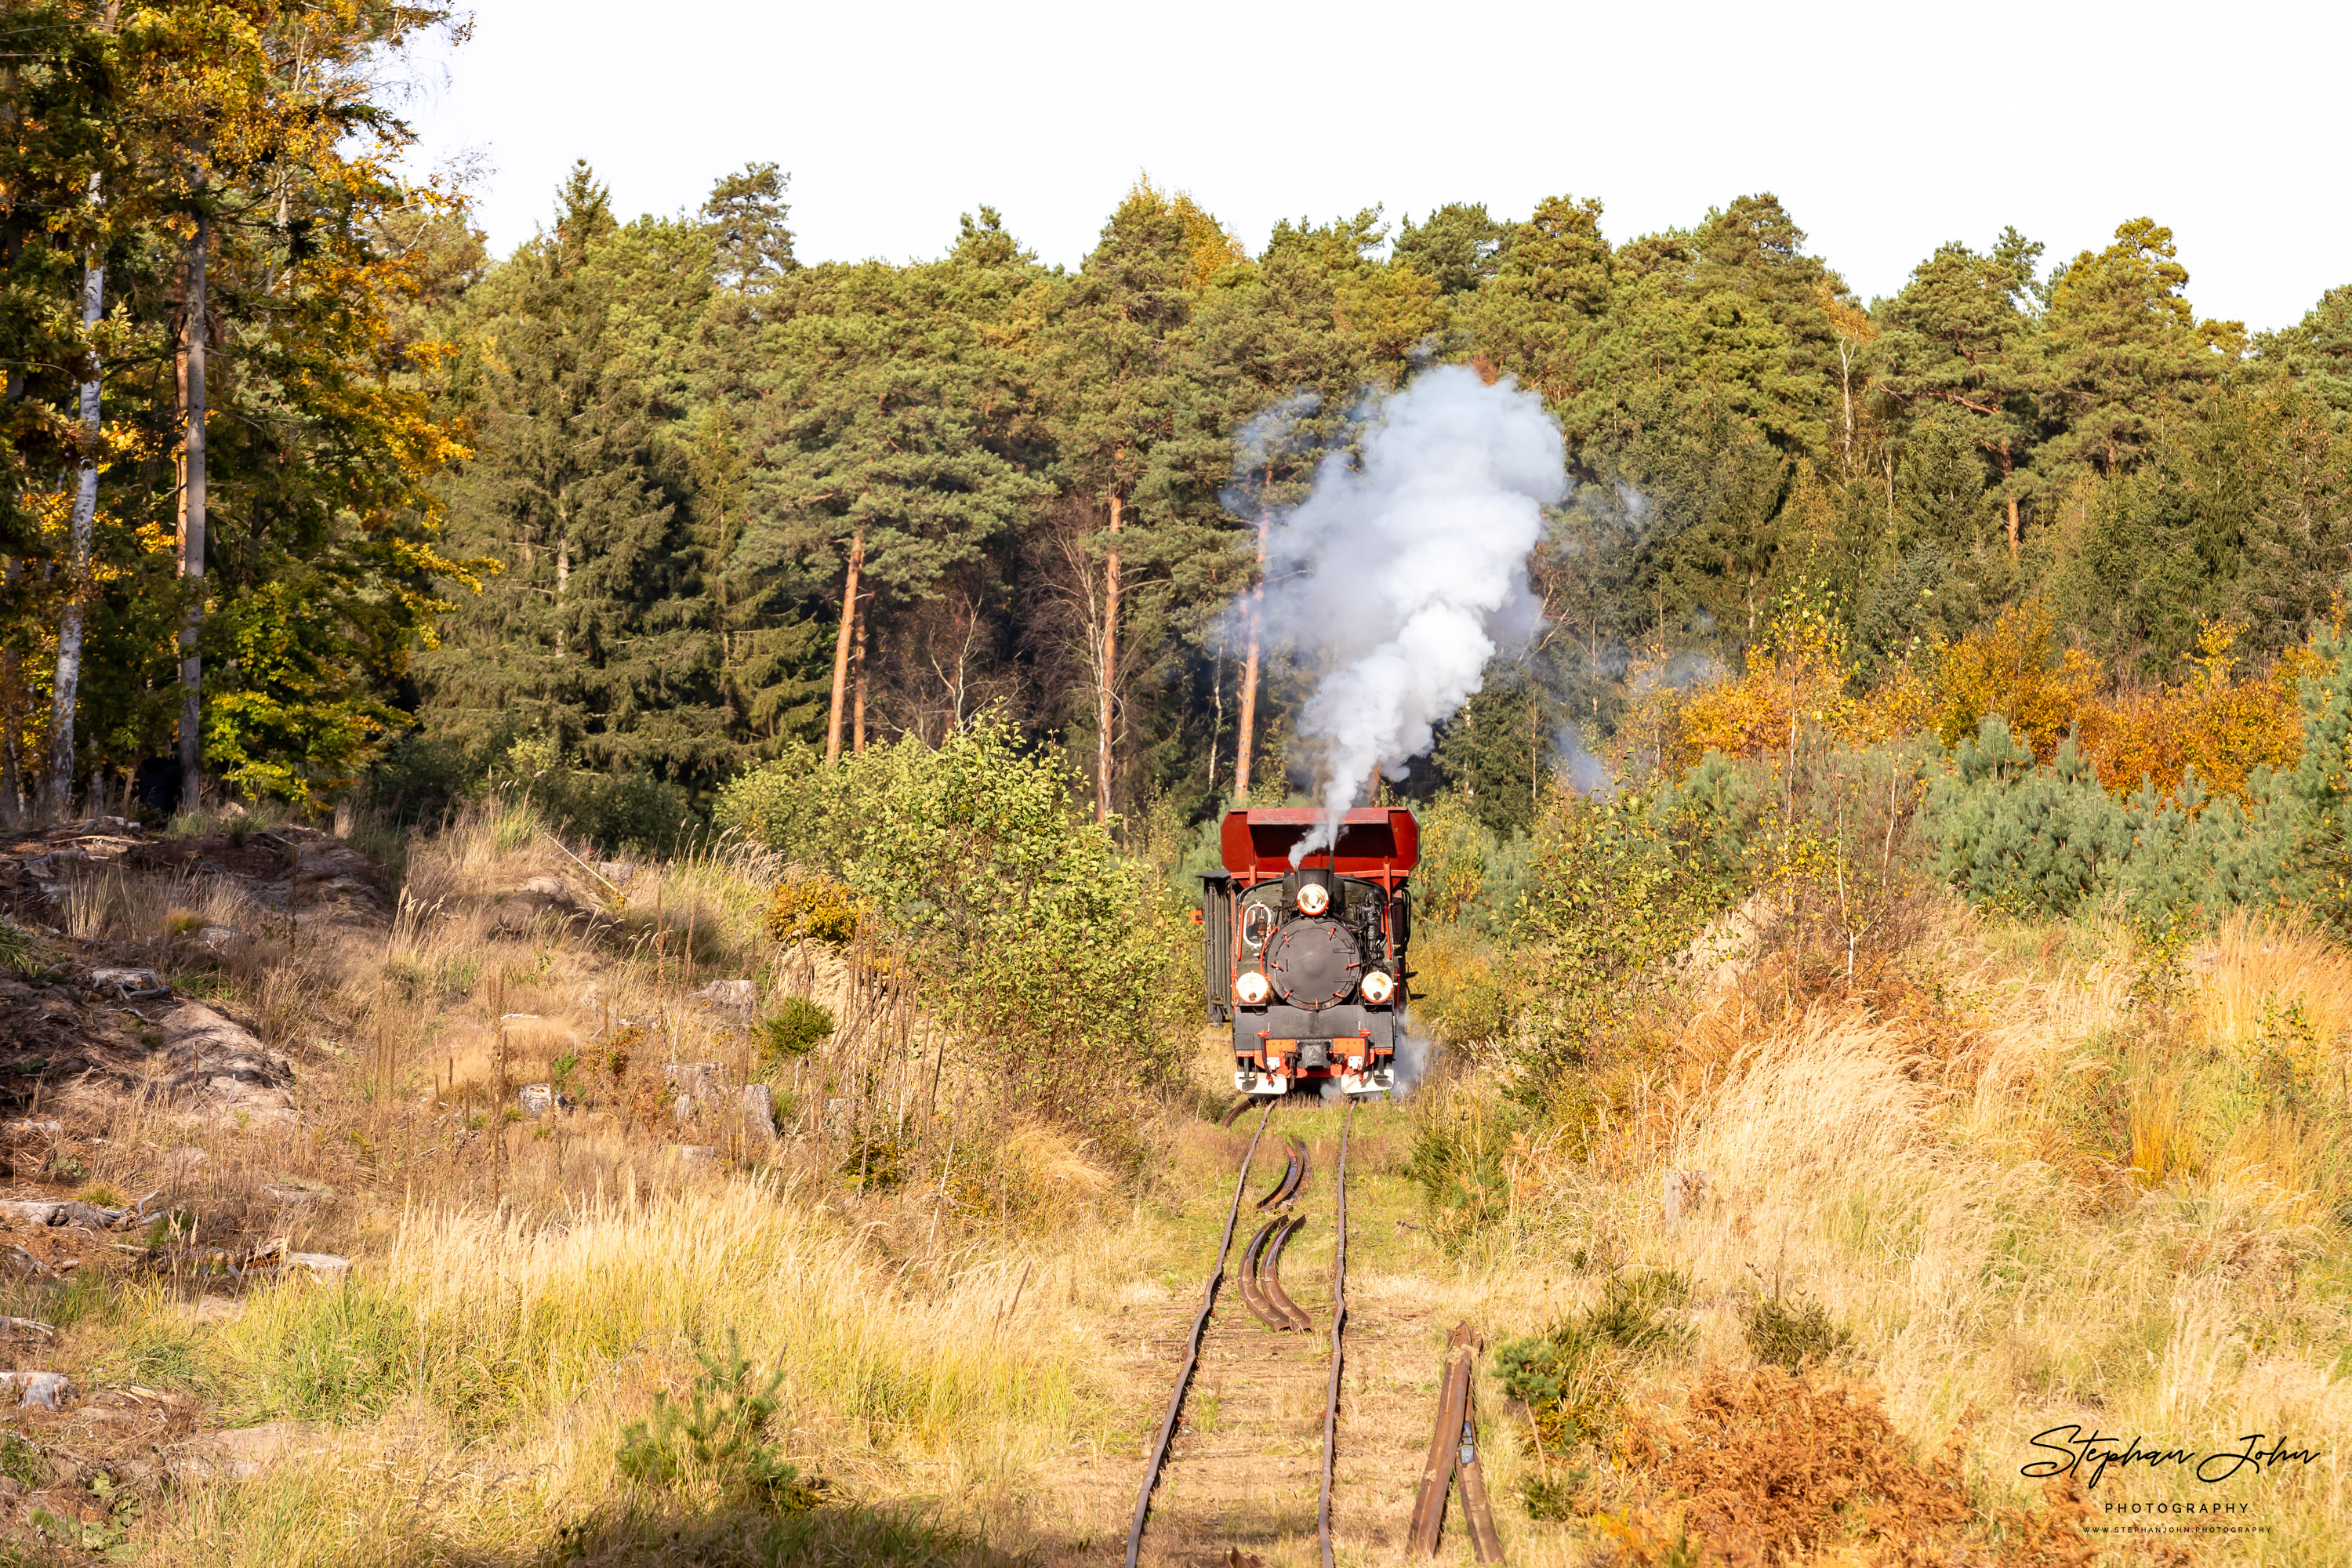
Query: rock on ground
(242, 1454)
(224, 1067)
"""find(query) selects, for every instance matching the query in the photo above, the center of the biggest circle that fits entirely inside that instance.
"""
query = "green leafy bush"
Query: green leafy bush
(1618, 889)
(1032, 934)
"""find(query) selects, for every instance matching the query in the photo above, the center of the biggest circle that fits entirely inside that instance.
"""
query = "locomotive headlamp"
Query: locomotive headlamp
(1251, 988)
(1379, 986)
(1314, 897)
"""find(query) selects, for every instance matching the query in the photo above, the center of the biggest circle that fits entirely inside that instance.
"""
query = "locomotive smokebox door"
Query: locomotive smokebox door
(1313, 963)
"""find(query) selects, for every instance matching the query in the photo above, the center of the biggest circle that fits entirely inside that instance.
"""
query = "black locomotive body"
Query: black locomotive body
(1306, 963)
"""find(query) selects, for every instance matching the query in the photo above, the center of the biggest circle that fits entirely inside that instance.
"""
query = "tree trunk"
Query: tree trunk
(2009, 497)
(1243, 746)
(1107, 683)
(841, 639)
(858, 684)
(563, 585)
(65, 691)
(1845, 379)
(191, 516)
(11, 716)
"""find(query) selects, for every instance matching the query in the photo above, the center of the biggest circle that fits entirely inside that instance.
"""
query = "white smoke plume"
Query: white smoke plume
(1581, 771)
(1411, 1065)
(1403, 573)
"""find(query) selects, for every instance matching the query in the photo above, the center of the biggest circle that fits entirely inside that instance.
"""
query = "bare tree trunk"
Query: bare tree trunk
(12, 715)
(191, 516)
(857, 685)
(1217, 705)
(2012, 499)
(562, 583)
(1243, 746)
(841, 648)
(64, 694)
(1845, 381)
(1107, 683)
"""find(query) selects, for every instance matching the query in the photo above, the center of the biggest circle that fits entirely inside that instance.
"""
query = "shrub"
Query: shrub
(719, 1441)
(2014, 671)
(811, 906)
(1792, 1335)
(1030, 932)
(1565, 1376)
(796, 1027)
(1619, 889)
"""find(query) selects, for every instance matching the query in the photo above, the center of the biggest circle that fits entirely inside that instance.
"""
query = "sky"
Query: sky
(1884, 128)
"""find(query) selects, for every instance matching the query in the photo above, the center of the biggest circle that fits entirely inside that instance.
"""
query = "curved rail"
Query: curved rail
(1192, 1353)
(1338, 1326)
(1293, 1172)
(1270, 1286)
(1253, 1293)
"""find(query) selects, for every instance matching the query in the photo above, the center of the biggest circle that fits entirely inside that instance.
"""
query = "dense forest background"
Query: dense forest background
(649, 501)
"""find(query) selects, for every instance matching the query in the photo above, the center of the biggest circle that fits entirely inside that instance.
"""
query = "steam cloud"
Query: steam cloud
(1403, 576)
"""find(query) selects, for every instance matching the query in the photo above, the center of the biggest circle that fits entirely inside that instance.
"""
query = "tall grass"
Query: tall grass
(2181, 1279)
(504, 1345)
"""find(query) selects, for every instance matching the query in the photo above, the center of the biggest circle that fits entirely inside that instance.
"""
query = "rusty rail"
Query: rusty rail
(1453, 1452)
(1338, 1326)
(1253, 1293)
(1293, 1173)
(1158, 1456)
(1293, 1316)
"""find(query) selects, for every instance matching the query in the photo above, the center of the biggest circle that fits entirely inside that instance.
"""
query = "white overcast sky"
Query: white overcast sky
(1885, 128)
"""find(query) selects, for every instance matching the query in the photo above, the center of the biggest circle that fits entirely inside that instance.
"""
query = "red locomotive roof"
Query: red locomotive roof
(1372, 840)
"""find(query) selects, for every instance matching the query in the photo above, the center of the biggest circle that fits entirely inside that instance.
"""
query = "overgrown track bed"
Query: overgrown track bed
(1245, 1455)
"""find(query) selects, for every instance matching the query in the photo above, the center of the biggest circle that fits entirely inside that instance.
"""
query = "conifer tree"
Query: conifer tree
(597, 629)
(2126, 350)
(1109, 359)
(1960, 341)
(889, 430)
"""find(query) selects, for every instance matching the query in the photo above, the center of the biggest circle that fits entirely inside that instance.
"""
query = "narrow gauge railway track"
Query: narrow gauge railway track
(1273, 1370)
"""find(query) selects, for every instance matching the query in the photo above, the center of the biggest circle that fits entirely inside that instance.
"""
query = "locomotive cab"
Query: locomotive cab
(1306, 963)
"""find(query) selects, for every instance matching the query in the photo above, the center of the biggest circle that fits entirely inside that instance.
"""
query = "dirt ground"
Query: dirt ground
(1245, 1471)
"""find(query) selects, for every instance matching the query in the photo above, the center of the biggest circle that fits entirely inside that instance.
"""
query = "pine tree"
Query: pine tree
(597, 631)
(1457, 246)
(894, 447)
(1961, 341)
(2317, 350)
(2126, 350)
(1114, 394)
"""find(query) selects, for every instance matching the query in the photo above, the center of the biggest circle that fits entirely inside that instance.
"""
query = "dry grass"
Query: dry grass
(2182, 1280)
(907, 1255)
(506, 1356)
(2033, 1199)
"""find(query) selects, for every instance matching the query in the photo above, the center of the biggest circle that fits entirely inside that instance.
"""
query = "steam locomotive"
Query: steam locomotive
(1306, 963)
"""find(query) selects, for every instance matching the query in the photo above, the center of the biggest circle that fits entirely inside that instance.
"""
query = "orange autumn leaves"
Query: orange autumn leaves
(1798, 684)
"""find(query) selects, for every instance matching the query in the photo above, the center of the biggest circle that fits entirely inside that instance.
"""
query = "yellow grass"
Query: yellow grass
(2047, 1204)
(505, 1357)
